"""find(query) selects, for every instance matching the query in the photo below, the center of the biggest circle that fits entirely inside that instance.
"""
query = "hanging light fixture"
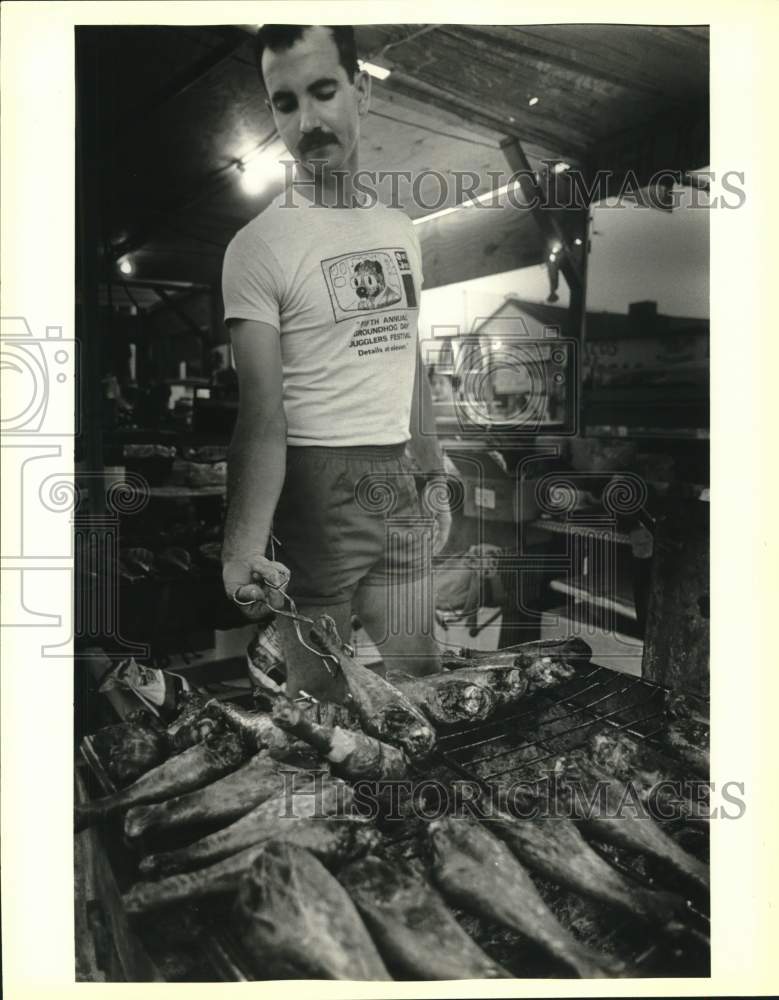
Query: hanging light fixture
(373, 69)
(257, 171)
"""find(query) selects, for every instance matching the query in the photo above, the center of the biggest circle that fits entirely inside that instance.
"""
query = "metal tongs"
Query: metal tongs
(296, 618)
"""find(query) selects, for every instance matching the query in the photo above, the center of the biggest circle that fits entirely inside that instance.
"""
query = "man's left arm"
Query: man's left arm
(427, 452)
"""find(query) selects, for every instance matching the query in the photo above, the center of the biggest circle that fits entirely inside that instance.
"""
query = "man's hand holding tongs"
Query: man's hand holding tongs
(255, 585)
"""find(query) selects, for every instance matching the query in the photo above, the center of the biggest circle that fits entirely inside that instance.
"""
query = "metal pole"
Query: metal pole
(88, 239)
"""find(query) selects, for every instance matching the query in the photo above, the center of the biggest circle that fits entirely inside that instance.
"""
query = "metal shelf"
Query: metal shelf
(598, 600)
(627, 431)
(571, 528)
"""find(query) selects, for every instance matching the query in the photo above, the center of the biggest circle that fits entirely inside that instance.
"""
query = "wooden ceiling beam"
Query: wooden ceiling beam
(409, 86)
(676, 143)
(486, 41)
(692, 37)
(472, 244)
(415, 32)
(176, 286)
(182, 82)
(636, 54)
(547, 218)
(402, 83)
(502, 92)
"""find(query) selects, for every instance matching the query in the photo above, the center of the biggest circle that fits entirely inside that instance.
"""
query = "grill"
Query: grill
(521, 746)
(517, 745)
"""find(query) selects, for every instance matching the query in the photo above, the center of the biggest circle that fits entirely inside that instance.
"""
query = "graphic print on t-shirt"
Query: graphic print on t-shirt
(368, 281)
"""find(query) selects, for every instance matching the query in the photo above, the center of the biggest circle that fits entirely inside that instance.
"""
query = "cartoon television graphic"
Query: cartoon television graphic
(369, 281)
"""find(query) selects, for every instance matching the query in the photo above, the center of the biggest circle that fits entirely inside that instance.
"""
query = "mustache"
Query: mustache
(314, 140)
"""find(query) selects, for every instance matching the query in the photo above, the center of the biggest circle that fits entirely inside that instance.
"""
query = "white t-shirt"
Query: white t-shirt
(342, 286)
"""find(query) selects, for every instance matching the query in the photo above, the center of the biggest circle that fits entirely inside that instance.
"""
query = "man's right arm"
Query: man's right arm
(256, 463)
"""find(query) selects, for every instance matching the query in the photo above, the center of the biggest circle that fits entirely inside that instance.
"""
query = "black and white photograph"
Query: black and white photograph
(380, 437)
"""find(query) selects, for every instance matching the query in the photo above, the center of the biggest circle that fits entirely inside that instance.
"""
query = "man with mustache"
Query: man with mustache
(331, 392)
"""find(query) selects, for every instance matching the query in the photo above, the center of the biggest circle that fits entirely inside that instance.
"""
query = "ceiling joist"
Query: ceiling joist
(614, 97)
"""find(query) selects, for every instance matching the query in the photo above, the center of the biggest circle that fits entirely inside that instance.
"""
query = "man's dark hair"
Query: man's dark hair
(278, 37)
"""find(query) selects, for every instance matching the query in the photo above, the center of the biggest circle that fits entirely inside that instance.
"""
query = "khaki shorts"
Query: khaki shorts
(349, 517)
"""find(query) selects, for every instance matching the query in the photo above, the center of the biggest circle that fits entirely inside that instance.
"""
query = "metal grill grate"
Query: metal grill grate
(518, 746)
(552, 723)
(523, 746)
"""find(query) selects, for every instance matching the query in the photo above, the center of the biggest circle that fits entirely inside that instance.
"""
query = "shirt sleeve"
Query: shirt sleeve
(252, 284)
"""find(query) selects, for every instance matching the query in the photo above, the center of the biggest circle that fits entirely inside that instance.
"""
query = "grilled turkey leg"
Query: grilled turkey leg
(197, 766)
(413, 928)
(629, 760)
(479, 872)
(572, 650)
(131, 748)
(333, 841)
(554, 848)
(296, 920)
(281, 813)
(226, 799)
(615, 819)
(352, 754)
(544, 664)
(689, 740)
(384, 711)
(446, 699)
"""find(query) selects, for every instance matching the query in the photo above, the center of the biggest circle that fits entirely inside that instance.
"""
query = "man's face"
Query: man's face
(316, 109)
